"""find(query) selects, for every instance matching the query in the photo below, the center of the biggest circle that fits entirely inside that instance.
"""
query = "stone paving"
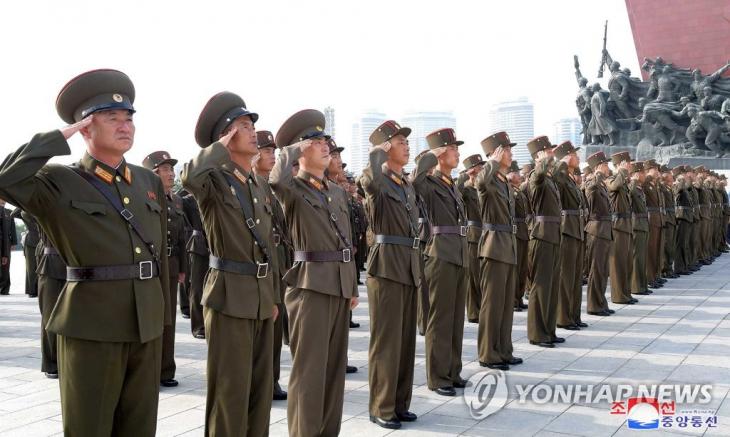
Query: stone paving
(678, 335)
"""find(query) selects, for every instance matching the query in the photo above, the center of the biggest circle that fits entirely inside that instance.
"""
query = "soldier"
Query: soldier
(497, 255)
(655, 208)
(394, 272)
(30, 245)
(51, 279)
(321, 284)
(694, 240)
(670, 223)
(446, 261)
(685, 217)
(263, 164)
(465, 184)
(544, 251)
(703, 204)
(8, 239)
(163, 166)
(529, 220)
(598, 234)
(570, 293)
(424, 235)
(522, 236)
(620, 257)
(109, 347)
(198, 253)
(239, 300)
(640, 227)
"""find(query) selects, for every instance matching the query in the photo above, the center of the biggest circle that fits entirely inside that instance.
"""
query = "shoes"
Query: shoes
(461, 383)
(599, 313)
(496, 366)
(52, 375)
(354, 325)
(351, 369)
(445, 391)
(169, 383)
(569, 327)
(33, 295)
(640, 293)
(558, 340)
(279, 394)
(393, 423)
(514, 361)
(610, 311)
(200, 335)
(542, 344)
(582, 325)
(523, 305)
(406, 416)
(517, 309)
(473, 320)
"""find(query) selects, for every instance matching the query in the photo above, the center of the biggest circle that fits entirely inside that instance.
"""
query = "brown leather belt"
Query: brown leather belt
(260, 270)
(474, 223)
(600, 218)
(512, 229)
(143, 270)
(578, 212)
(620, 215)
(449, 230)
(50, 251)
(520, 219)
(344, 256)
(640, 215)
(547, 218)
(413, 243)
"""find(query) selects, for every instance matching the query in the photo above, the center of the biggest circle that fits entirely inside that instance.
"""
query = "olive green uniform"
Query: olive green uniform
(8, 239)
(522, 216)
(51, 279)
(685, 218)
(620, 260)
(30, 244)
(654, 207)
(600, 236)
(470, 199)
(424, 233)
(640, 226)
(570, 294)
(669, 230)
(197, 250)
(694, 242)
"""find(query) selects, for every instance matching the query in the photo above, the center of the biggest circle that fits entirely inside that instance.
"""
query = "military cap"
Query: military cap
(676, 171)
(472, 161)
(618, 158)
(564, 149)
(528, 168)
(217, 115)
(304, 125)
(514, 167)
(597, 159)
(664, 168)
(344, 165)
(420, 155)
(441, 138)
(265, 139)
(538, 144)
(386, 131)
(95, 90)
(490, 143)
(588, 169)
(156, 159)
(651, 163)
(699, 169)
(577, 172)
(637, 166)
(333, 145)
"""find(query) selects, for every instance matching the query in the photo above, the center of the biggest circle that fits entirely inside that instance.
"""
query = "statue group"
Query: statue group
(676, 107)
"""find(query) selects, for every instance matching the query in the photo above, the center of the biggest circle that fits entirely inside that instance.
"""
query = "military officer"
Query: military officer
(424, 234)
(465, 184)
(544, 250)
(598, 234)
(8, 239)
(321, 284)
(570, 293)
(640, 227)
(446, 261)
(703, 202)
(239, 300)
(522, 236)
(670, 223)
(51, 279)
(109, 346)
(30, 244)
(263, 164)
(394, 272)
(163, 166)
(685, 218)
(198, 253)
(620, 261)
(497, 254)
(655, 209)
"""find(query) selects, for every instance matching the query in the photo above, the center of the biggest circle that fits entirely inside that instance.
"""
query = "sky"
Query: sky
(284, 56)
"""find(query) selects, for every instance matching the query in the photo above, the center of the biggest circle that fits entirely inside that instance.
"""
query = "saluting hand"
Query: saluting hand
(439, 151)
(304, 145)
(225, 139)
(497, 155)
(71, 129)
(626, 165)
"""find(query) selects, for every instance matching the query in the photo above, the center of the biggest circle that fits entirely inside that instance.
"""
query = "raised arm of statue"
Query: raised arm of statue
(716, 75)
(578, 74)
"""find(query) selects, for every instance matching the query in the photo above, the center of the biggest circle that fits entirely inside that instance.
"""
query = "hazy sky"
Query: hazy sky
(283, 56)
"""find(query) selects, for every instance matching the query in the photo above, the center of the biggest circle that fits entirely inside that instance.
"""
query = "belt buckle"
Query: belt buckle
(277, 239)
(169, 250)
(514, 229)
(563, 213)
(333, 217)
(462, 231)
(142, 266)
(262, 267)
(127, 214)
(416, 243)
(346, 255)
(250, 223)
(581, 213)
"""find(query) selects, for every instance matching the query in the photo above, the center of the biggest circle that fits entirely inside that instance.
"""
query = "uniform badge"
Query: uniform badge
(319, 128)
(103, 174)
(118, 98)
(152, 195)
(239, 176)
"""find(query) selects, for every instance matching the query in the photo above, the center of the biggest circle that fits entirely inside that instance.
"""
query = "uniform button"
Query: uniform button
(169, 220)
(126, 200)
(329, 199)
(118, 179)
(138, 250)
(258, 221)
(255, 200)
(168, 232)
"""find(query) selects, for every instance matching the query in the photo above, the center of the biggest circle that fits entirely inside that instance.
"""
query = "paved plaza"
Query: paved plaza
(678, 335)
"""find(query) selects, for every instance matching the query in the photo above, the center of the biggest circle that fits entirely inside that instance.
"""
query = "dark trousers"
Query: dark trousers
(621, 265)
(198, 269)
(48, 291)
(494, 341)
(597, 249)
(570, 294)
(473, 289)
(5, 277)
(545, 281)
(31, 264)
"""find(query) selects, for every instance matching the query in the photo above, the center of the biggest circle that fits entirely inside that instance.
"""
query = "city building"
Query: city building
(329, 117)
(567, 129)
(516, 117)
(360, 145)
(423, 123)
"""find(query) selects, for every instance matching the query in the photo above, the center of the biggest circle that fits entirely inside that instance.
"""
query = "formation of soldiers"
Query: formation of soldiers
(268, 250)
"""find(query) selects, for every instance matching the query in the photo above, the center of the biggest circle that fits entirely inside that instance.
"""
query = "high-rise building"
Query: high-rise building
(329, 117)
(423, 123)
(360, 145)
(568, 129)
(516, 117)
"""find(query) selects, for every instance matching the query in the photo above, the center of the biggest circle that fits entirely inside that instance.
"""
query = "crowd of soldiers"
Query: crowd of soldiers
(264, 249)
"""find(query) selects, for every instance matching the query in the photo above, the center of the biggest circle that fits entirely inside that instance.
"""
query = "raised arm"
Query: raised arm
(716, 75)
(372, 176)
(427, 162)
(622, 175)
(196, 173)
(281, 179)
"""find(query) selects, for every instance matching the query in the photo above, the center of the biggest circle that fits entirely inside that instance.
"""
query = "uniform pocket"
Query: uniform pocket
(154, 206)
(91, 208)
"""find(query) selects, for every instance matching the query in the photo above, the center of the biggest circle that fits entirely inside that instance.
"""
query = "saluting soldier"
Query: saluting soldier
(109, 317)
(655, 209)
(8, 239)
(446, 261)
(465, 184)
(424, 235)
(321, 284)
(522, 235)
(394, 273)
(30, 244)
(620, 259)
(640, 227)
(725, 214)
(263, 164)
(570, 293)
(163, 166)
(599, 235)
(197, 250)
(529, 220)
(239, 300)
(685, 217)
(694, 240)
(497, 254)
(544, 246)
(51, 279)
(670, 223)
(705, 216)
